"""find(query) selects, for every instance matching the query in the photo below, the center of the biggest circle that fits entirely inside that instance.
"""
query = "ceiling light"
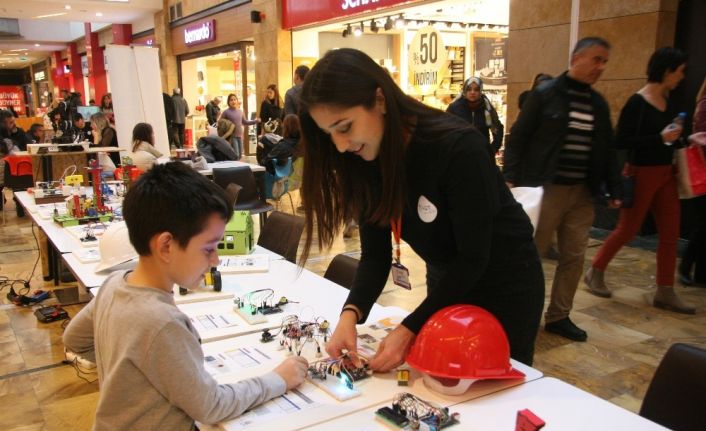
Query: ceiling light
(399, 23)
(388, 24)
(374, 26)
(99, 14)
(36, 44)
(50, 15)
(358, 31)
(67, 7)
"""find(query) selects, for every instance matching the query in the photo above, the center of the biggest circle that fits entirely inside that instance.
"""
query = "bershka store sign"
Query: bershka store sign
(297, 13)
(200, 33)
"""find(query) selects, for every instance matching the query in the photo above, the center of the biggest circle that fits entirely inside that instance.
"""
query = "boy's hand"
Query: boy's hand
(293, 371)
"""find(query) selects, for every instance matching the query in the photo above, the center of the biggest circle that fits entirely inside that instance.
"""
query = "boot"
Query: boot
(595, 283)
(667, 299)
(684, 273)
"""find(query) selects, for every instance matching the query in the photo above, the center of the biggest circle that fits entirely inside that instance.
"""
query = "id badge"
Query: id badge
(400, 276)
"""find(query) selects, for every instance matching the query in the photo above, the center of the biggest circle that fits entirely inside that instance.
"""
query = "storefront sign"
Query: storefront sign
(12, 97)
(297, 13)
(40, 76)
(200, 33)
(427, 60)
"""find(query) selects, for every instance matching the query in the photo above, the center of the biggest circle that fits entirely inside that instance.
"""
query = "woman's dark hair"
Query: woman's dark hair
(539, 78)
(337, 187)
(290, 127)
(142, 132)
(665, 59)
(229, 96)
(105, 105)
(278, 99)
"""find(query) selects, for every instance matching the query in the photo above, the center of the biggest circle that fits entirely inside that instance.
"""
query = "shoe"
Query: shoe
(666, 298)
(596, 284)
(567, 329)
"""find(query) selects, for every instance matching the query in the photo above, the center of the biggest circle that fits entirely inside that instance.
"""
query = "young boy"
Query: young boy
(150, 363)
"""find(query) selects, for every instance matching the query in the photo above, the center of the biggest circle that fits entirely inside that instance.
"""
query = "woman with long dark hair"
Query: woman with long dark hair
(144, 154)
(235, 115)
(271, 109)
(645, 129)
(376, 155)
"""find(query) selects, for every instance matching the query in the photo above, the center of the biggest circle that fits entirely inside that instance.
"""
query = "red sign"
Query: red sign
(11, 96)
(297, 13)
(201, 32)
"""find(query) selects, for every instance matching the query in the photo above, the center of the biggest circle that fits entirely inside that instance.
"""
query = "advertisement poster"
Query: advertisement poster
(11, 96)
(490, 60)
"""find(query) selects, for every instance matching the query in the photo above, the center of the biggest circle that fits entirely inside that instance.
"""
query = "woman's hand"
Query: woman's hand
(344, 336)
(393, 349)
(671, 133)
(698, 138)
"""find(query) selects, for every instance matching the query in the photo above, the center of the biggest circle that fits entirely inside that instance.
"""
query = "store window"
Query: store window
(218, 73)
(461, 39)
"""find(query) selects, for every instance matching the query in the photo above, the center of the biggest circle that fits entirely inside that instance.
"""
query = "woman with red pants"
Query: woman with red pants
(645, 128)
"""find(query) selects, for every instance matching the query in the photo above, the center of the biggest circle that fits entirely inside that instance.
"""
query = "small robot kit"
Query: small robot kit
(255, 306)
(336, 376)
(211, 280)
(49, 192)
(409, 412)
(82, 210)
(295, 334)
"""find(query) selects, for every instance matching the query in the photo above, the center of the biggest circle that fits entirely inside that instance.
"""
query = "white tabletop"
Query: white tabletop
(90, 150)
(560, 405)
(63, 240)
(230, 164)
(321, 408)
(85, 272)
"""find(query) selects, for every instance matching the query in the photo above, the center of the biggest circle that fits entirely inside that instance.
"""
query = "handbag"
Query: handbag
(628, 178)
(691, 171)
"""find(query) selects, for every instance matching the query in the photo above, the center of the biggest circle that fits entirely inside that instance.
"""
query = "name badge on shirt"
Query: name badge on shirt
(400, 276)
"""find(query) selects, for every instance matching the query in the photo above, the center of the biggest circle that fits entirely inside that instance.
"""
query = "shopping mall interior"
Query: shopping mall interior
(203, 51)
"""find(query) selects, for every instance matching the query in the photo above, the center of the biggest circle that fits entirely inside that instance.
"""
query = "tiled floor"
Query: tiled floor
(627, 337)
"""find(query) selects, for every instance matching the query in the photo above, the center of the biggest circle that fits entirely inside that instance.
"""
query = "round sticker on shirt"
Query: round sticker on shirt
(427, 211)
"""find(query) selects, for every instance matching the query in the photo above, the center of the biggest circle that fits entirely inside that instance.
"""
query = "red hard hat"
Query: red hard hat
(463, 342)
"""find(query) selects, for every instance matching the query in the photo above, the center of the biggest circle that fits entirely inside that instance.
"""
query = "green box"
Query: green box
(238, 235)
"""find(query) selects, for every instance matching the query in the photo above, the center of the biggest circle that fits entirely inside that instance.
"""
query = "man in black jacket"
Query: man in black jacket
(563, 140)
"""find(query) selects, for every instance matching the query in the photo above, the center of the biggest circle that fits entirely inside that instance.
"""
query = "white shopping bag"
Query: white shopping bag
(531, 200)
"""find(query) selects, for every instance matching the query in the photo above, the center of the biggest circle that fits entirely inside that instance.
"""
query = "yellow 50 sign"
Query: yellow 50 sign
(427, 60)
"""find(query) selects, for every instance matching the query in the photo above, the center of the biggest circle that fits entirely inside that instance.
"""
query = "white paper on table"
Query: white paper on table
(293, 401)
(235, 360)
(88, 255)
(209, 322)
(244, 264)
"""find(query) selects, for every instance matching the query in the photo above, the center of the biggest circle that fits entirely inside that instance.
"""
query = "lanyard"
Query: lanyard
(396, 233)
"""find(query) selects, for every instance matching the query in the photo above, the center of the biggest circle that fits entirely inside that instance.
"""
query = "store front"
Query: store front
(429, 48)
(41, 88)
(215, 58)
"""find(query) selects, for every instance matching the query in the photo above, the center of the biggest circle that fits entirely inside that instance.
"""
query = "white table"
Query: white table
(560, 405)
(230, 164)
(322, 409)
(85, 272)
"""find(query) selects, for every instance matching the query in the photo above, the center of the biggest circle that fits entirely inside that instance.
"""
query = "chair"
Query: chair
(676, 397)
(249, 198)
(281, 234)
(277, 184)
(17, 176)
(342, 270)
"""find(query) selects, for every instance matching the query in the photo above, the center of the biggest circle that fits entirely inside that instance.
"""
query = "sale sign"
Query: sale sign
(427, 60)
(12, 96)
